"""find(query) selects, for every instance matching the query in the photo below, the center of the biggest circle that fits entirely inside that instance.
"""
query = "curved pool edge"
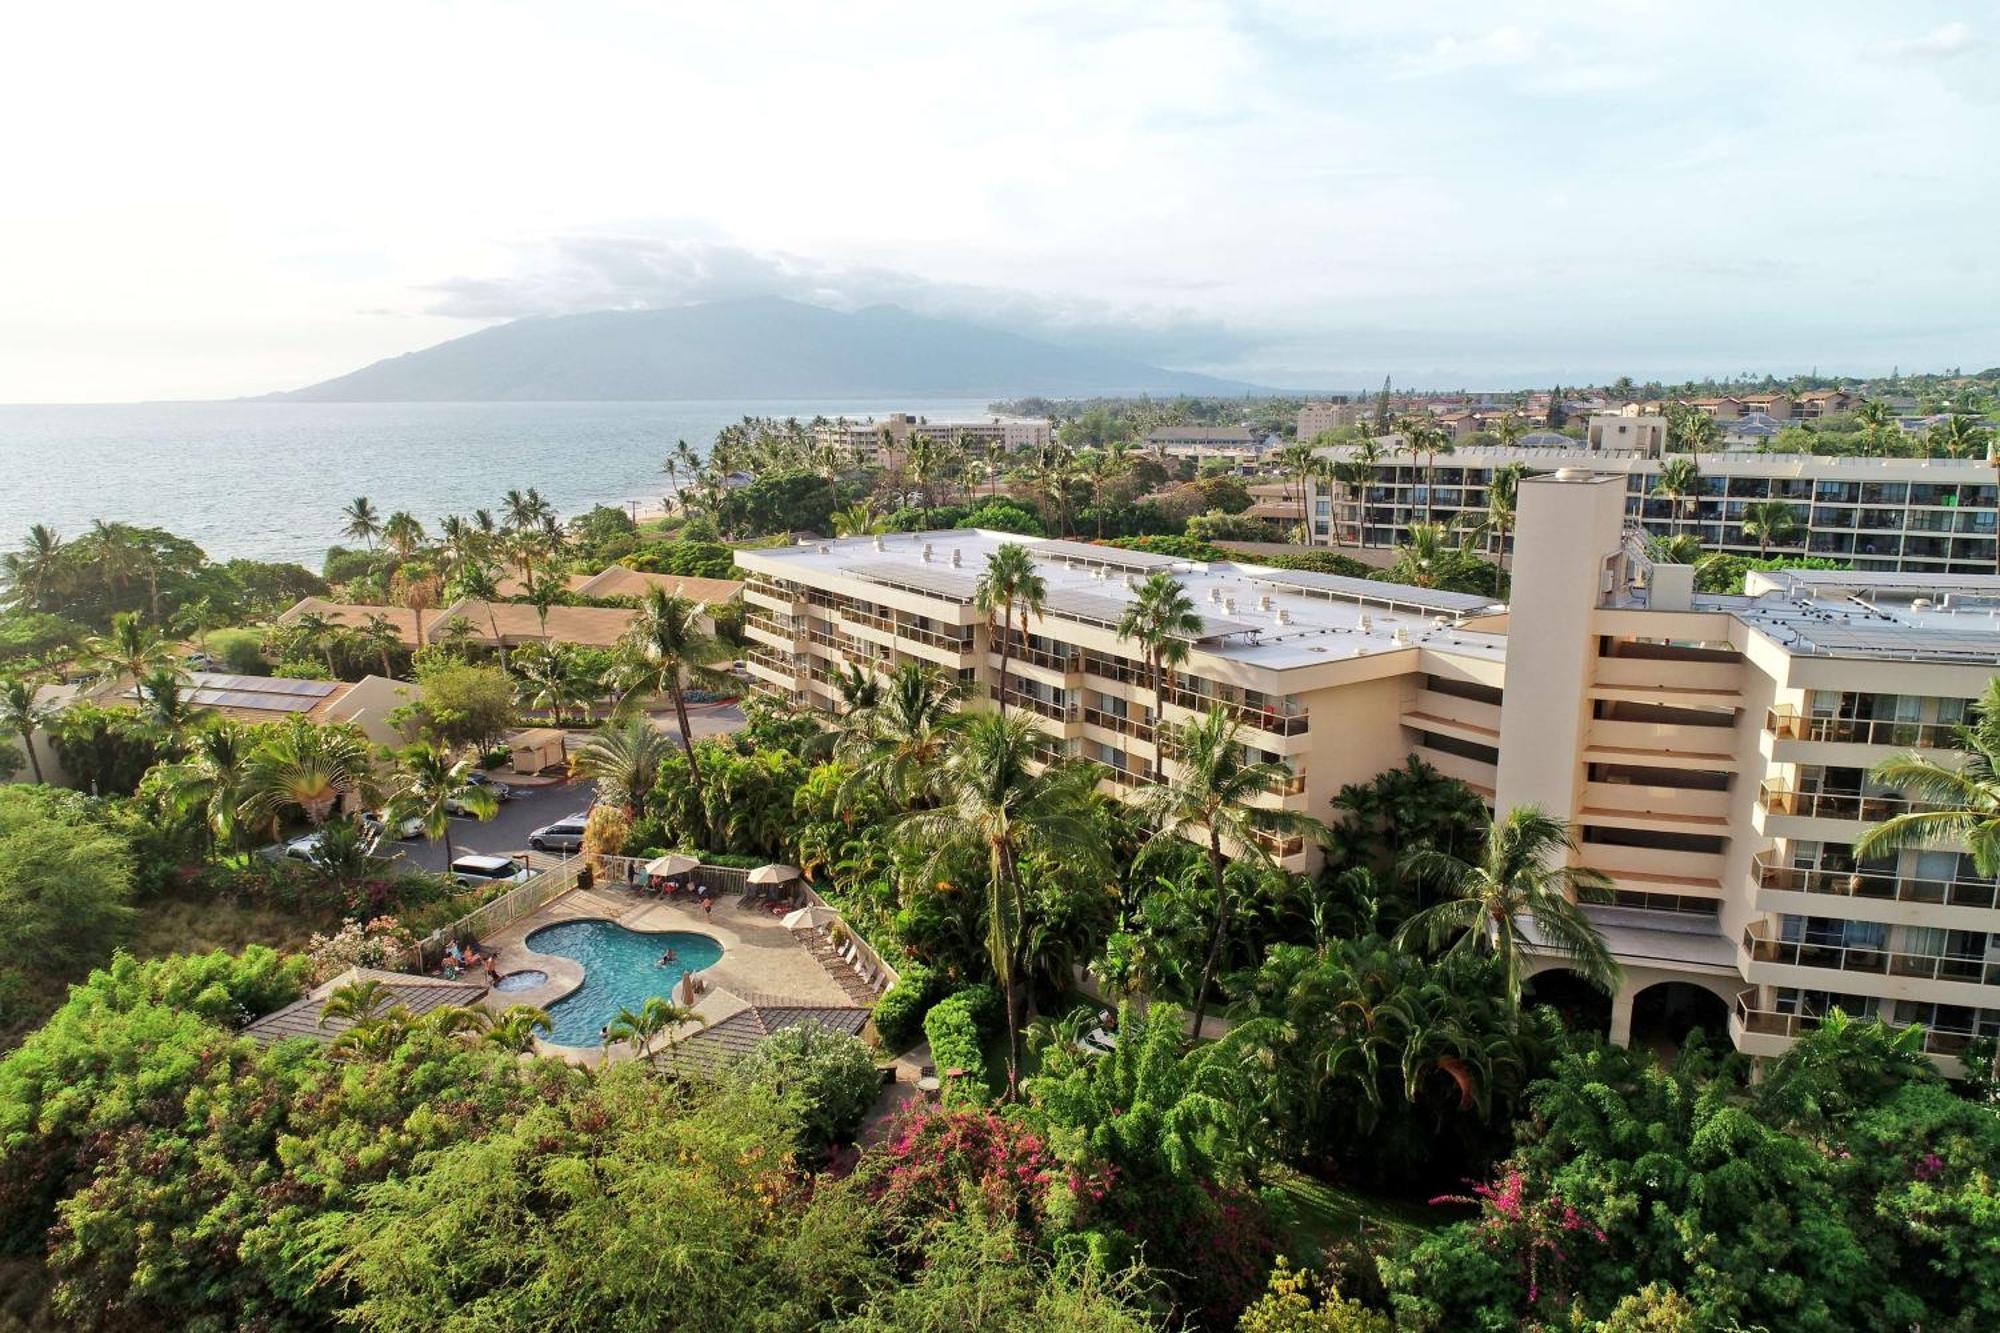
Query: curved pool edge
(566, 977)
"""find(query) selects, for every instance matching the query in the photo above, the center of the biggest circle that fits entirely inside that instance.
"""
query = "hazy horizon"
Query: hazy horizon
(246, 199)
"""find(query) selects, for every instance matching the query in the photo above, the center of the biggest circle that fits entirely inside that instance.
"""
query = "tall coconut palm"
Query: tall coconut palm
(364, 524)
(1957, 436)
(306, 768)
(165, 711)
(1510, 428)
(1965, 796)
(1426, 437)
(993, 807)
(643, 1028)
(403, 534)
(623, 756)
(130, 648)
(1162, 621)
(1878, 426)
(316, 632)
(1521, 876)
(1213, 800)
(21, 716)
(1298, 461)
(905, 733)
(31, 572)
(1770, 521)
(417, 590)
(1692, 431)
(1357, 473)
(1678, 482)
(430, 787)
(378, 634)
(668, 648)
(1008, 582)
(1503, 510)
(212, 777)
(476, 581)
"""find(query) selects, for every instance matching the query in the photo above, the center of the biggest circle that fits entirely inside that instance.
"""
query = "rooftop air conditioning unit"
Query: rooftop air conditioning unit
(927, 553)
(1264, 602)
(1215, 596)
(1229, 605)
(878, 544)
(1284, 616)
(1367, 623)
(1402, 636)
(956, 558)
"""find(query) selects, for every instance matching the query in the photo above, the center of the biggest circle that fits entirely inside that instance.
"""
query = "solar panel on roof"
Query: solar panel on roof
(940, 580)
(1116, 557)
(1369, 590)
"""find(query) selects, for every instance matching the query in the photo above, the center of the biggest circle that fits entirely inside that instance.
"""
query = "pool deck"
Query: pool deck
(761, 961)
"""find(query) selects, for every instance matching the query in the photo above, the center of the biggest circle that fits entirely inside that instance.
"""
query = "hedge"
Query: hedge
(900, 1013)
(958, 1027)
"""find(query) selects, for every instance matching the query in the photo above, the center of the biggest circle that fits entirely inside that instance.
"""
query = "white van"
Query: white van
(475, 871)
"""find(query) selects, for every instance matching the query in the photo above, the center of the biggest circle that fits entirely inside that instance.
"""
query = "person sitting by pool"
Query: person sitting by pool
(669, 957)
(492, 971)
(453, 952)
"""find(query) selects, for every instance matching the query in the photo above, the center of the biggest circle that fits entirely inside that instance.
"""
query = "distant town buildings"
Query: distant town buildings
(1238, 444)
(1317, 418)
(883, 441)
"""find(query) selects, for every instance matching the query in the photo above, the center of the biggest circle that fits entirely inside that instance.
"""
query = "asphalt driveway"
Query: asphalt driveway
(504, 834)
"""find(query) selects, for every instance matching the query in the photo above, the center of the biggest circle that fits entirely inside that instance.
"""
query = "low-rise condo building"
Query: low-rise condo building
(1922, 515)
(884, 441)
(1316, 418)
(1710, 753)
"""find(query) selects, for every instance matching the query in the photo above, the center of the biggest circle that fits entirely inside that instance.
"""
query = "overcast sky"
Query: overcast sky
(217, 199)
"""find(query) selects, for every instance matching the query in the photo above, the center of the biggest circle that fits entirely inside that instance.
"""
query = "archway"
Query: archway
(1582, 1007)
(1665, 1013)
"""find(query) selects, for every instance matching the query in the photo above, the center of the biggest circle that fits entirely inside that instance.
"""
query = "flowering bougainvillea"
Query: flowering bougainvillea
(940, 1161)
(1541, 1233)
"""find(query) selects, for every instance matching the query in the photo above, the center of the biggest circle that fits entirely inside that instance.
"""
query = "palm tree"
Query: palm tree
(212, 777)
(1678, 481)
(315, 631)
(378, 634)
(1520, 875)
(306, 768)
(1503, 503)
(1878, 426)
(1009, 580)
(31, 572)
(358, 1001)
(857, 520)
(363, 522)
(993, 807)
(1212, 800)
(1428, 558)
(667, 649)
(1424, 434)
(417, 590)
(130, 648)
(23, 717)
(1510, 428)
(1162, 620)
(403, 534)
(514, 1028)
(1965, 796)
(1692, 430)
(1299, 460)
(905, 734)
(1357, 473)
(1958, 435)
(165, 710)
(1770, 521)
(643, 1028)
(477, 581)
(624, 756)
(430, 788)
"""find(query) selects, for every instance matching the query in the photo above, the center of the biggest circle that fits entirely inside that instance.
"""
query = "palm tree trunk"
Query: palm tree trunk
(1215, 866)
(687, 746)
(1003, 666)
(1159, 720)
(493, 619)
(448, 857)
(34, 760)
(1012, 990)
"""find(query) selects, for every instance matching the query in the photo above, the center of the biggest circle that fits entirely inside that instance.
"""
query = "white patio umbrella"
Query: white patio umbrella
(673, 863)
(774, 874)
(810, 918)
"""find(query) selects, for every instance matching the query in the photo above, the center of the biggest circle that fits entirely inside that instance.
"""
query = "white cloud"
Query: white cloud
(1941, 43)
(1503, 46)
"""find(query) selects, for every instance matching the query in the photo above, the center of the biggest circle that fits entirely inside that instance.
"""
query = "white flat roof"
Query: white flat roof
(1324, 619)
(1841, 613)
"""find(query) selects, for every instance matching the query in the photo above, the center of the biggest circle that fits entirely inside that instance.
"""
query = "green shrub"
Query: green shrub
(1004, 516)
(734, 860)
(240, 651)
(900, 1013)
(958, 1028)
(827, 1079)
(1321, 562)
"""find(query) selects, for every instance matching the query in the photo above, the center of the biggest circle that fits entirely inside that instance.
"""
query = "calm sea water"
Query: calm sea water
(268, 480)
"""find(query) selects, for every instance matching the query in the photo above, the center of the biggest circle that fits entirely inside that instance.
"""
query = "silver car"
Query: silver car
(565, 835)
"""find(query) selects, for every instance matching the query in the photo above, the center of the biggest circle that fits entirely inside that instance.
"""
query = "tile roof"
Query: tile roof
(618, 581)
(729, 1040)
(595, 626)
(420, 995)
(354, 616)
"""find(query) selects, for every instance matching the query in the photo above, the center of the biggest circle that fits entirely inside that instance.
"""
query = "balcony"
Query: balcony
(1053, 711)
(1779, 1030)
(1124, 726)
(1788, 724)
(1883, 962)
(1876, 887)
(1778, 798)
(1289, 720)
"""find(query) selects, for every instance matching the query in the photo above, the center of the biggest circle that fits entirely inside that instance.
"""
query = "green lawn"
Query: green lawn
(1324, 1214)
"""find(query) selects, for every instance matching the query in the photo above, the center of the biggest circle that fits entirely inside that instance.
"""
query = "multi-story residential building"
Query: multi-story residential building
(1626, 432)
(1316, 418)
(882, 441)
(1923, 515)
(1238, 445)
(1711, 754)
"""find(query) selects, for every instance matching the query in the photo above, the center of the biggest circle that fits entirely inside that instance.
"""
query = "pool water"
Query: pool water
(621, 970)
(526, 979)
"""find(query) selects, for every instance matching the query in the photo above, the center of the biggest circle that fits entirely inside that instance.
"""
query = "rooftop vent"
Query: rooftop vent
(878, 544)
(957, 557)
(1264, 602)
(1367, 625)
(1402, 636)
(1284, 616)
(927, 553)
(1229, 605)
(1215, 595)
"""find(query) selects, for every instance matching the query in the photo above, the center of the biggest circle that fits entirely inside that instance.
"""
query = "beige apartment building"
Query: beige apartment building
(1921, 515)
(882, 441)
(1711, 753)
(1320, 417)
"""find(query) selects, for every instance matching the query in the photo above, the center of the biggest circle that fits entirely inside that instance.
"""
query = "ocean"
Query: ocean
(267, 480)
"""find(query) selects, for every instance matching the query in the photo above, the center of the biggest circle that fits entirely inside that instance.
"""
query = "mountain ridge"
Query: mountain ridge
(755, 347)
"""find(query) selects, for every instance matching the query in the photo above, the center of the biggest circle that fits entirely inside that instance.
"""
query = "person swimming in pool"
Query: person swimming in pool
(669, 957)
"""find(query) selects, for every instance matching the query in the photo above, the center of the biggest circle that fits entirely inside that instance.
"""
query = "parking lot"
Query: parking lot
(504, 834)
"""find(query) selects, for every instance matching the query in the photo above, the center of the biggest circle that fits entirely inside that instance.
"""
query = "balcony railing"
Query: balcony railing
(1876, 886)
(1125, 726)
(1280, 848)
(770, 588)
(770, 661)
(1791, 725)
(903, 629)
(1778, 798)
(1876, 962)
(1114, 668)
(1020, 651)
(1290, 783)
(1054, 711)
(1278, 722)
(1772, 1023)
(770, 624)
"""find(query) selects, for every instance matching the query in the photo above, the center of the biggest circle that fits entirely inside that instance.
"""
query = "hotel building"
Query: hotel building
(1920, 515)
(1710, 753)
(882, 441)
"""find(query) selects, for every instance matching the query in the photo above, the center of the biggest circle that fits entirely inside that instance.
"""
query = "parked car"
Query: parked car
(501, 791)
(306, 847)
(476, 871)
(378, 828)
(565, 835)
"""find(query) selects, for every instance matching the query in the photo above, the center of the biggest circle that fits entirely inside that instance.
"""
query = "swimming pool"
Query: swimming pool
(526, 979)
(621, 970)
